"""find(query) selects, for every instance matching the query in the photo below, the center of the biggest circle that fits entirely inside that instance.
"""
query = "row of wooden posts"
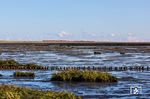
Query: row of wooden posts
(110, 68)
(22, 68)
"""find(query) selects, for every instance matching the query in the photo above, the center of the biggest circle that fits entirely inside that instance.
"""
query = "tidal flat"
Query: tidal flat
(80, 56)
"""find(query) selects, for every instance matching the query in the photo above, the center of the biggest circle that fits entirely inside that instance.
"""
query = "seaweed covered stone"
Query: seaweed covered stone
(12, 64)
(24, 74)
(83, 76)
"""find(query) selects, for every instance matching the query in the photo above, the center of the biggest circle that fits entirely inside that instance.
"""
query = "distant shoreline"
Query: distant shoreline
(75, 43)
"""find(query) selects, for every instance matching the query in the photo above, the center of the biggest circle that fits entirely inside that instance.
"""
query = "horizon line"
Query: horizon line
(70, 41)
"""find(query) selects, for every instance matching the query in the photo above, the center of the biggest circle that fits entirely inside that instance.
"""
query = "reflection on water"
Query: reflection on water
(82, 58)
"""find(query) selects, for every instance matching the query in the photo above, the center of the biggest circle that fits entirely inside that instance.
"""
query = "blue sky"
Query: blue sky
(102, 20)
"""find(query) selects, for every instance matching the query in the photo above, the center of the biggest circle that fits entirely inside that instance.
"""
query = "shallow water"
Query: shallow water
(83, 58)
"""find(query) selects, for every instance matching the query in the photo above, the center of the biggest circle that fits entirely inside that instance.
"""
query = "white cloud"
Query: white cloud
(63, 34)
(133, 38)
(113, 35)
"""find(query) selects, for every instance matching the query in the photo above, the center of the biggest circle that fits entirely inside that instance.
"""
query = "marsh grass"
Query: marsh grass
(14, 92)
(12, 64)
(24, 74)
(83, 76)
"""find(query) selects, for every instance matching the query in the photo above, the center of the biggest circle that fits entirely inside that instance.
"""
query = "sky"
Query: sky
(99, 20)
